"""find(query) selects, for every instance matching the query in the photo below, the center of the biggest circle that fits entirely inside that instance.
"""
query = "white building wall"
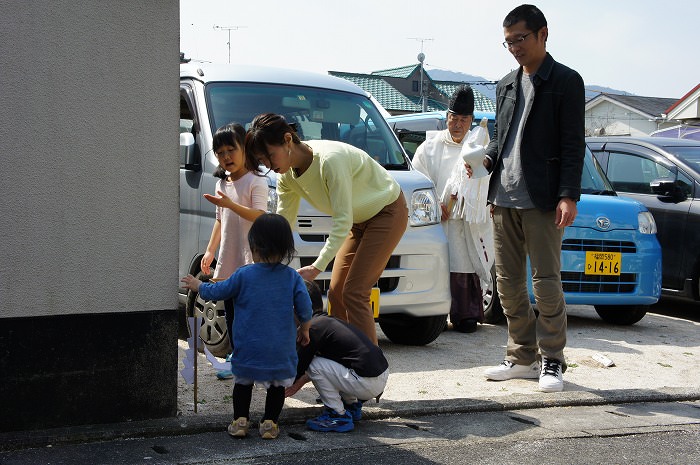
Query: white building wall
(88, 147)
(617, 120)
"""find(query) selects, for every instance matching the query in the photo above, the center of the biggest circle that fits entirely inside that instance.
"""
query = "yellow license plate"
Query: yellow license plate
(373, 302)
(603, 263)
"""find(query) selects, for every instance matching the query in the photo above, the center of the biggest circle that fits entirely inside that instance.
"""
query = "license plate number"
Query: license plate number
(603, 263)
(373, 302)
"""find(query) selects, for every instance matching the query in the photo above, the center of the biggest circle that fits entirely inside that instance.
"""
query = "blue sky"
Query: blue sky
(644, 47)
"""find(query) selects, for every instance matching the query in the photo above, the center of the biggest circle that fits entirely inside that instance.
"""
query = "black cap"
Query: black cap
(462, 101)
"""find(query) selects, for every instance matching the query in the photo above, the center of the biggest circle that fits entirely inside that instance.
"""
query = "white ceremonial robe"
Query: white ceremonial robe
(469, 229)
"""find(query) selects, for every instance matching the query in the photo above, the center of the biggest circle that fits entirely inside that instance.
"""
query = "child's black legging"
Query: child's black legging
(274, 401)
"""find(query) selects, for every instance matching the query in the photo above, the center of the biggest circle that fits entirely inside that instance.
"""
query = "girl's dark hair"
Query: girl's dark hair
(266, 129)
(533, 17)
(232, 134)
(270, 237)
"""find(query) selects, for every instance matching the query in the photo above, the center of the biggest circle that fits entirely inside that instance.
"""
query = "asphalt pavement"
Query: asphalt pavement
(652, 361)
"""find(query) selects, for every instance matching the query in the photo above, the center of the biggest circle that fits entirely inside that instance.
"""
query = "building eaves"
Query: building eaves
(681, 100)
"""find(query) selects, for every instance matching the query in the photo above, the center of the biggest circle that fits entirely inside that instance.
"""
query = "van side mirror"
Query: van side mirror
(189, 152)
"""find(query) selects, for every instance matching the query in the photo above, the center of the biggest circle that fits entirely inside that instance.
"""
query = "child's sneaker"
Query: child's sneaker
(269, 430)
(354, 409)
(225, 374)
(330, 421)
(238, 428)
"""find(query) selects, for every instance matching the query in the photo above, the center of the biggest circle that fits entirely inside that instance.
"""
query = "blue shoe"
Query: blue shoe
(330, 421)
(225, 374)
(354, 409)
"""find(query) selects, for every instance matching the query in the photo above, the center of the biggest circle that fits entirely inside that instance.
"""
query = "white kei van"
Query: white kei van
(414, 288)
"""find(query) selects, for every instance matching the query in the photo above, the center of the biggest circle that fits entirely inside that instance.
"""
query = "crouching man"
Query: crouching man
(345, 367)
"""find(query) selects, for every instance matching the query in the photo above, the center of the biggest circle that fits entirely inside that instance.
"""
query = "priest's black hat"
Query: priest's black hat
(462, 101)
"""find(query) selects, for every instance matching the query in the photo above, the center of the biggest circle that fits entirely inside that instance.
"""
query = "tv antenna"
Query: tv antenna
(229, 29)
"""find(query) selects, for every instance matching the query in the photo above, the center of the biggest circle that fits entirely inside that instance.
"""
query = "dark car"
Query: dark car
(663, 174)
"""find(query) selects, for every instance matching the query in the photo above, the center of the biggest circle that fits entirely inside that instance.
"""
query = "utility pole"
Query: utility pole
(421, 59)
(229, 29)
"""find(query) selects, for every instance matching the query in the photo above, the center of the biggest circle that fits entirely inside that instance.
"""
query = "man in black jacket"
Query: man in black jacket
(536, 159)
(343, 364)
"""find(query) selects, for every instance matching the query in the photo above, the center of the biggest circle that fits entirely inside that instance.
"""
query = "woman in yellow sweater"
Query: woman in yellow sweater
(366, 205)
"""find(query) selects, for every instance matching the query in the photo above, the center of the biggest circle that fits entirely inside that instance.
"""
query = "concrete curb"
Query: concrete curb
(194, 424)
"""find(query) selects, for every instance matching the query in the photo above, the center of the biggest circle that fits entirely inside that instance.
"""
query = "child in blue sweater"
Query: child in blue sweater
(267, 294)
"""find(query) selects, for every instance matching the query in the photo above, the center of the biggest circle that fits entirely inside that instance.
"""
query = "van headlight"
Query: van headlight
(271, 199)
(647, 225)
(425, 209)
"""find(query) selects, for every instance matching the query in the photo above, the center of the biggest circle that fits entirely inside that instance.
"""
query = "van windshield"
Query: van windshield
(317, 113)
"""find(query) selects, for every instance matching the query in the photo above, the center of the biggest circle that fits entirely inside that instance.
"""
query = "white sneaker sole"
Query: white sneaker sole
(552, 387)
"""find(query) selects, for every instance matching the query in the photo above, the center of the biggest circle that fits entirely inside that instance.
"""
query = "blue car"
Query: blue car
(610, 256)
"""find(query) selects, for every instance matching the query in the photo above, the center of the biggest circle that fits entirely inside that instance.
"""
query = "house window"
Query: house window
(416, 86)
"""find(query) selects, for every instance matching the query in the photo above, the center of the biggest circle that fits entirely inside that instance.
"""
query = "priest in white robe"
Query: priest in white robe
(465, 216)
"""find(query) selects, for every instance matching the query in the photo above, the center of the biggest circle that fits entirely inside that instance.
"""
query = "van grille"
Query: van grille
(385, 284)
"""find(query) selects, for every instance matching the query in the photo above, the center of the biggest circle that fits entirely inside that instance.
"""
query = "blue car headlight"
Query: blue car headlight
(647, 225)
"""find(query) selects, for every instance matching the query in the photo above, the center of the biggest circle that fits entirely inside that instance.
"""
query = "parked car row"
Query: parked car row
(620, 230)
(664, 175)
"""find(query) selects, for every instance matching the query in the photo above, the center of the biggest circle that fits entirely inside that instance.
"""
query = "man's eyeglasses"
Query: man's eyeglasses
(518, 42)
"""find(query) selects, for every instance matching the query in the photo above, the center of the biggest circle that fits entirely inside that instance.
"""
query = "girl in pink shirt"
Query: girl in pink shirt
(241, 198)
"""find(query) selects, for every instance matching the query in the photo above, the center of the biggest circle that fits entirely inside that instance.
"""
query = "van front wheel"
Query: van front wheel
(412, 331)
(212, 318)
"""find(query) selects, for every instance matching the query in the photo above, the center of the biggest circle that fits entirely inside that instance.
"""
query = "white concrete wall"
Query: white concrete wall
(88, 156)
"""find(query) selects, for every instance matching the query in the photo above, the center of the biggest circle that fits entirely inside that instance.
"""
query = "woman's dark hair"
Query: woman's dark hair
(533, 17)
(232, 134)
(266, 129)
(270, 237)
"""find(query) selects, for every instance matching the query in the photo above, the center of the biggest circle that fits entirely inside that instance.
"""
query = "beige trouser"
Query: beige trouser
(360, 262)
(518, 234)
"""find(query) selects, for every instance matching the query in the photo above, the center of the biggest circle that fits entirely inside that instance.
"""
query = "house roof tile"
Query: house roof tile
(400, 72)
(393, 100)
(652, 106)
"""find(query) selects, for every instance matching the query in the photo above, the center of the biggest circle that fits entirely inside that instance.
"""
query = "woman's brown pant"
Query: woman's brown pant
(360, 262)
